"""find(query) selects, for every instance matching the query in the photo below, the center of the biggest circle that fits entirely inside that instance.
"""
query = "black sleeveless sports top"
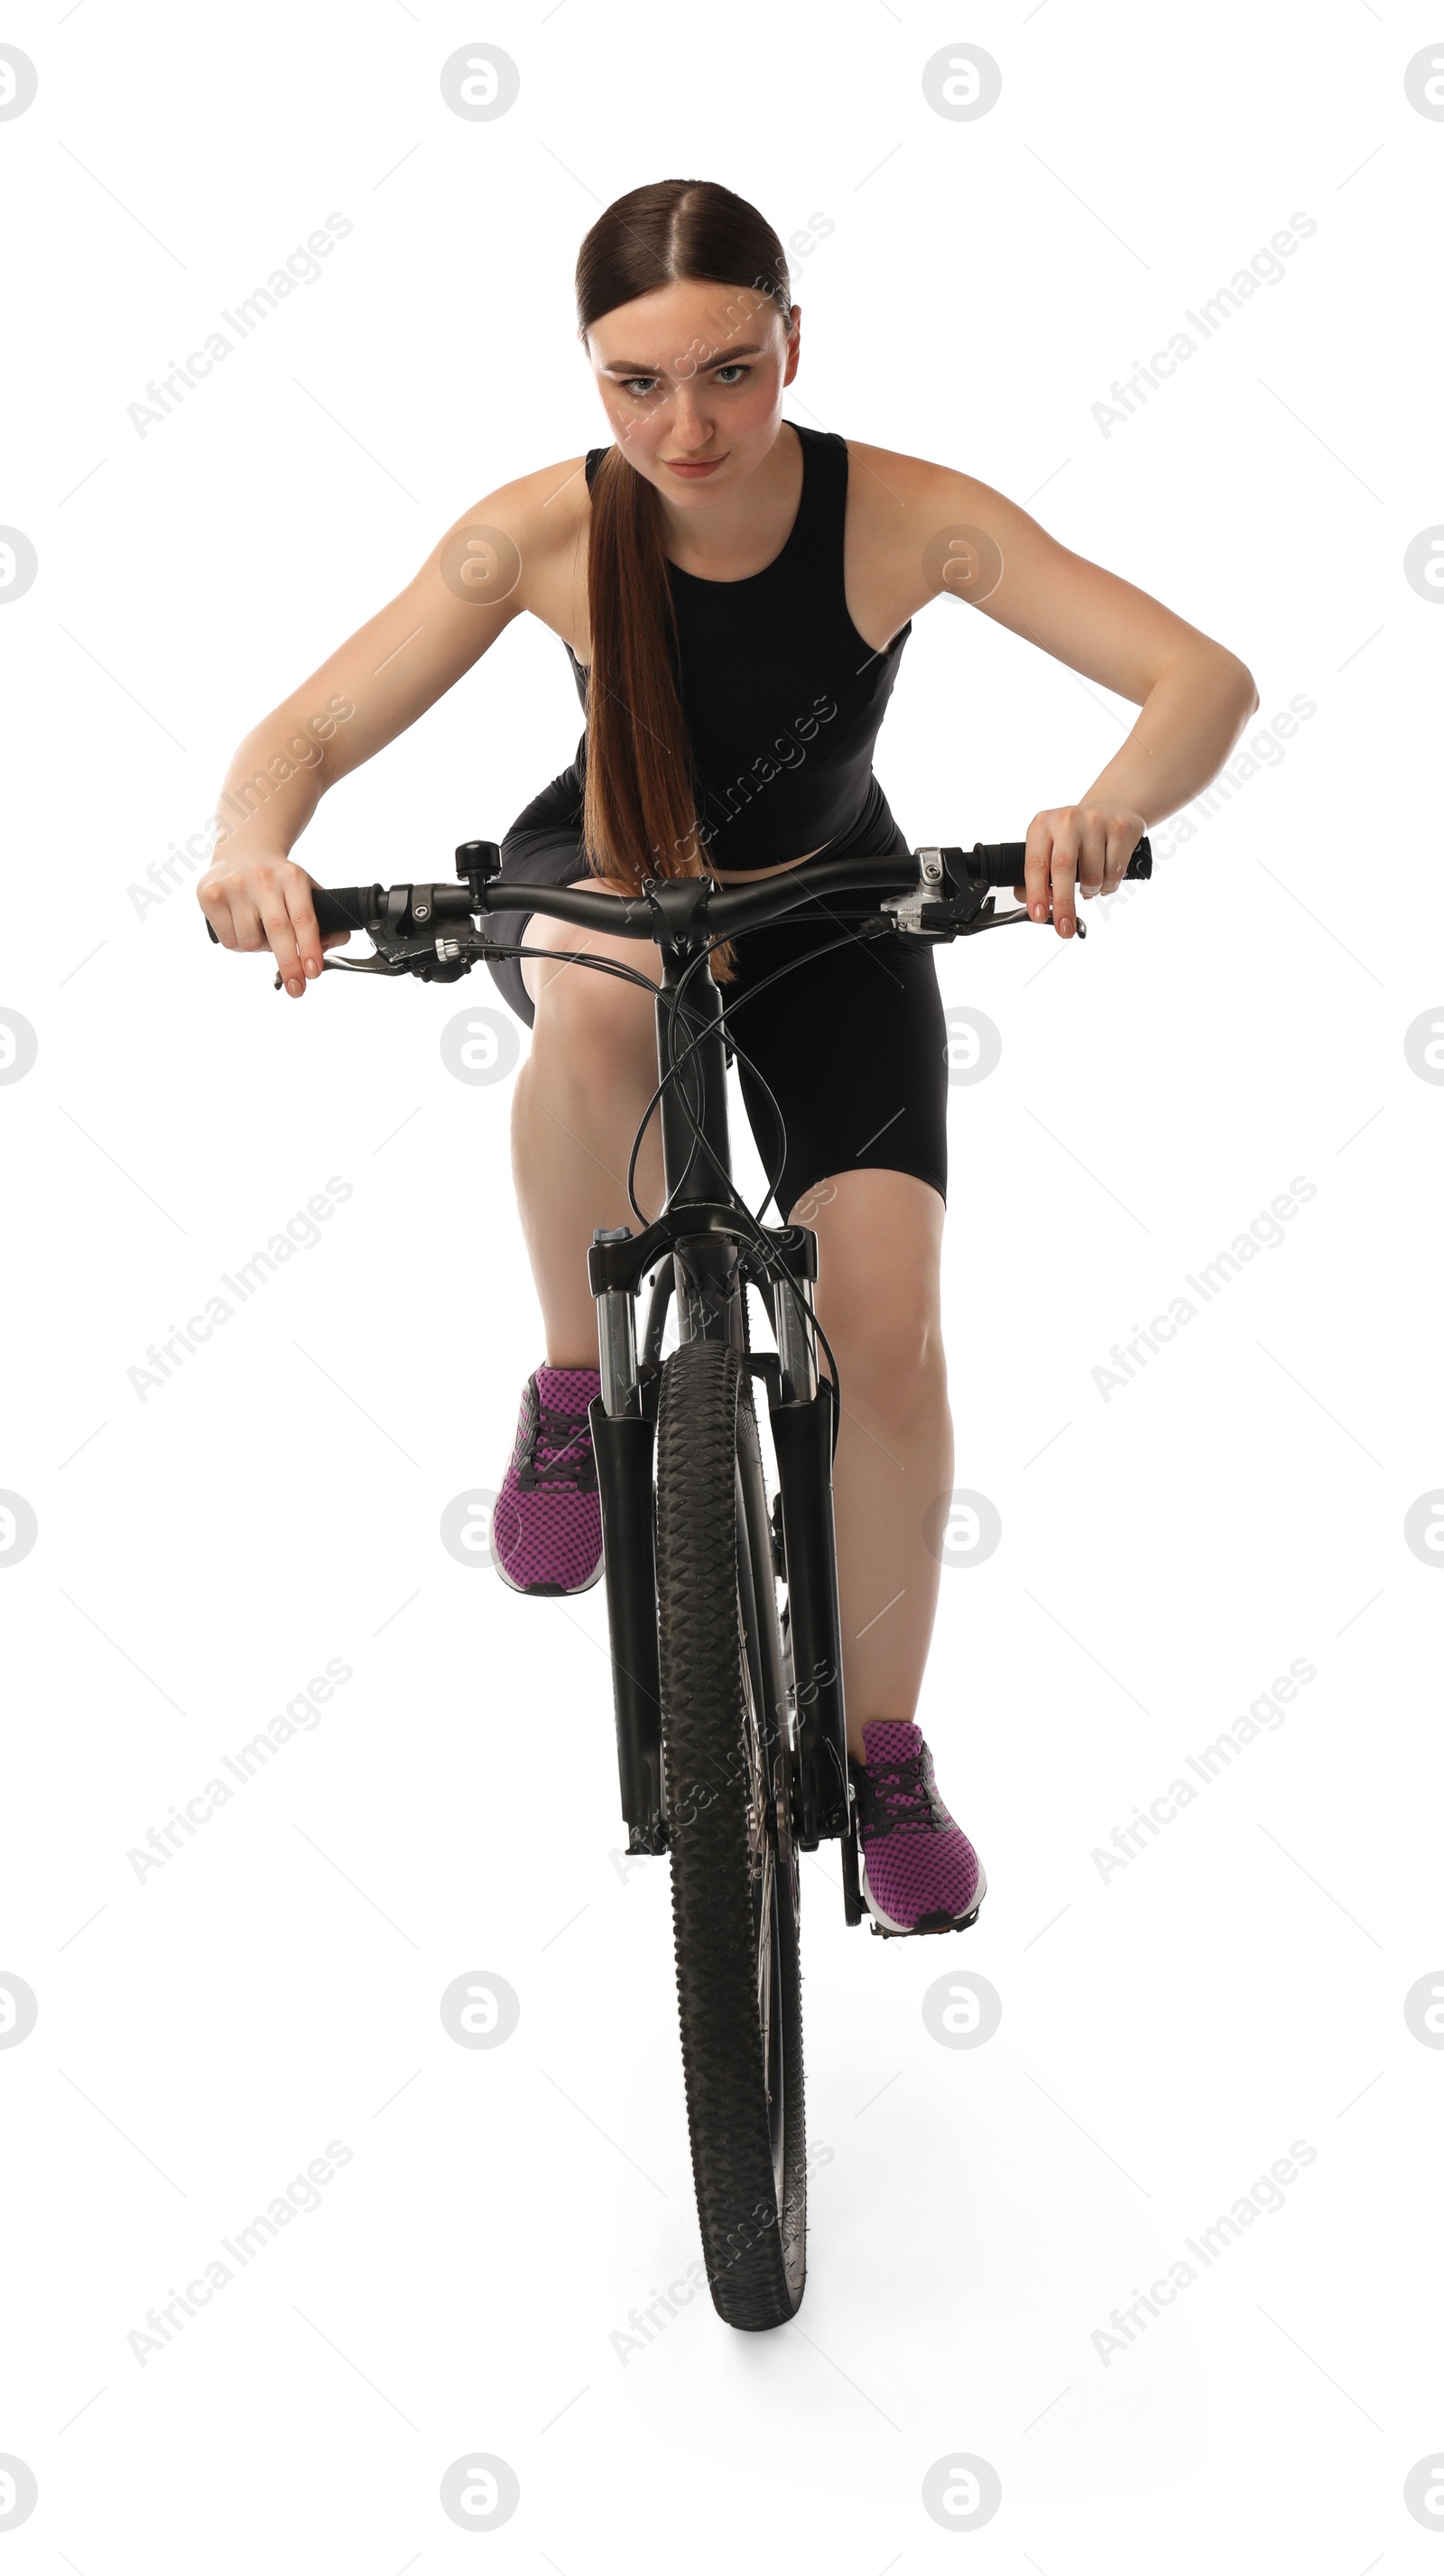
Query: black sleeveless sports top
(782, 696)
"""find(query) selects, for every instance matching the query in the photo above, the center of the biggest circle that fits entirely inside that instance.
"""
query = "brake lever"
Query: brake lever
(940, 918)
(1021, 913)
(375, 965)
(435, 960)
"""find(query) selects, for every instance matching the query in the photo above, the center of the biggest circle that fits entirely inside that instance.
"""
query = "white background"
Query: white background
(1166, 2035)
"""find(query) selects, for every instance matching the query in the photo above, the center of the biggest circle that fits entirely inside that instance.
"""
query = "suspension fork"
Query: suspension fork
(705, 1272)
(623, 1440)
(708, 1279)
(802, 1411)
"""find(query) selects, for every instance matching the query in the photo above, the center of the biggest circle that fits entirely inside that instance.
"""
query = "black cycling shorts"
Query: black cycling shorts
(852, 1043)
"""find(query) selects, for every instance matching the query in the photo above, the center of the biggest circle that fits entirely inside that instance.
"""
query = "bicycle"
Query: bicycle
(730, 1726)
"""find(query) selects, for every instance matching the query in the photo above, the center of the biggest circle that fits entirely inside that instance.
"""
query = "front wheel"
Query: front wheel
(726, 1757)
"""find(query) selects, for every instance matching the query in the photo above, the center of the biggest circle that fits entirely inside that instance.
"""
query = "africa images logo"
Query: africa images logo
(302, 268)
(1265, 2196)
(301, 1232)
(1264, 1233)
(1266, 268)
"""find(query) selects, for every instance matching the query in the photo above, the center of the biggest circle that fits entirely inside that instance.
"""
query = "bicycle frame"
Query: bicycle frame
(712, 1260)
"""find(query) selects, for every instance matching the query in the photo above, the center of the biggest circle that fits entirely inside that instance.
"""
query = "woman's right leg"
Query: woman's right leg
(576, 1107)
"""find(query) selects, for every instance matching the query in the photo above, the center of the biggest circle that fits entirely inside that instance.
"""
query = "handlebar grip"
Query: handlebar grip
(1003, 861)
(347, 907)
(338, 908)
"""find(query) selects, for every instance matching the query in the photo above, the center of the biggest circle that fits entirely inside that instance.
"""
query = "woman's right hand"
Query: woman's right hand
(264, 901)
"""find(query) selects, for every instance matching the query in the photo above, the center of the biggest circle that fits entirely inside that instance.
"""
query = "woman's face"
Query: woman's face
(691, 375)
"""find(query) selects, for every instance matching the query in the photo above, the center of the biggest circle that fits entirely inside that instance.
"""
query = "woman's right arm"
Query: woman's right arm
(373, 686)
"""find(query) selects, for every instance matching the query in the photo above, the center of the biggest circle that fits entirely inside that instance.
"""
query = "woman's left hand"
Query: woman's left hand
(1087, 846)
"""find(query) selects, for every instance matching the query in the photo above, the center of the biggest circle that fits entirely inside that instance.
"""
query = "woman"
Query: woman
(735, 592)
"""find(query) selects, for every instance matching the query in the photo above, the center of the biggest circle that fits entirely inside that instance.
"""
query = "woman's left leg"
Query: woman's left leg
(879, 1236)
(849, 1053)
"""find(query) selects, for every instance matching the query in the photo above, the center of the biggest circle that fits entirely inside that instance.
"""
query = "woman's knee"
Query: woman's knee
(879, 1303)
(602, 1028)
(878, 1289)
(890, 1353)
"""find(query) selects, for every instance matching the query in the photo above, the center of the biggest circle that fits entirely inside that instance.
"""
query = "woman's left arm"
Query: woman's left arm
(1194, 696)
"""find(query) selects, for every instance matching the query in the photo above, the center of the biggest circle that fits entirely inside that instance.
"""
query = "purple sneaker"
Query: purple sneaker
(547, 1526)
(918, 1870)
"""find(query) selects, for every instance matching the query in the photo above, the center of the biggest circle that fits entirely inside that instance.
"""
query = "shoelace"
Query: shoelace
(902, 1794)
(561, 1431)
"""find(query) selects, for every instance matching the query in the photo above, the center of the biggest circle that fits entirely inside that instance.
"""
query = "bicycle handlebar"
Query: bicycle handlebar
(932, 892)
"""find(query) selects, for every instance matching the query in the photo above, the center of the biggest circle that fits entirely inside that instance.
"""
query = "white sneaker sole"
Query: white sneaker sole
(891, 1930)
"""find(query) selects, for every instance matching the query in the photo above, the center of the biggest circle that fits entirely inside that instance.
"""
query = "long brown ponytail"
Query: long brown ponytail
(639, 814)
